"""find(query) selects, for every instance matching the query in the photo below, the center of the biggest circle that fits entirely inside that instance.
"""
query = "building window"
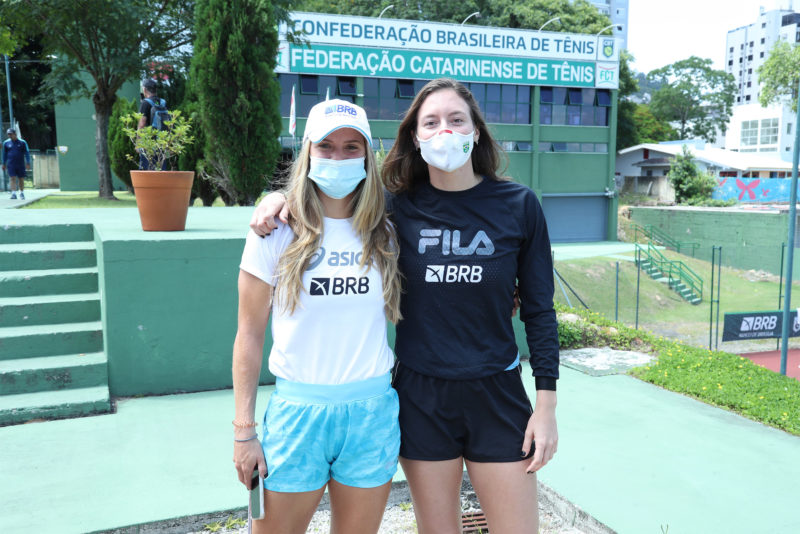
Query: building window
(574, 107)
(347, 86)
(731, 49)
(585, 148)
(382, 100)
(750, 57)
(762, 40)
(405, 89)
(747, 98)
(309, 84)
(751, 43)
(761, 54)
(509, 104)
(749, 84)
(769, 131)
(309, 90)
(763, 24)
(788, 128)
(730, 62)
(749, 133)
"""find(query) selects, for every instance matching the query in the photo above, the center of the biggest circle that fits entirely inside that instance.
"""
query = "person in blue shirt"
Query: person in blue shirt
(16, 160)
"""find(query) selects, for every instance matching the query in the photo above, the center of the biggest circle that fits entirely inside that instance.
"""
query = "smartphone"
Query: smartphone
(256, 506)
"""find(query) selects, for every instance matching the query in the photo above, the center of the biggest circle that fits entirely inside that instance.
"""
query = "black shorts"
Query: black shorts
(482, 420)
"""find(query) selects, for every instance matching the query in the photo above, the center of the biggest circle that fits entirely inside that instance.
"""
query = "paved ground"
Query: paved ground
(31, 195)
(635, 457)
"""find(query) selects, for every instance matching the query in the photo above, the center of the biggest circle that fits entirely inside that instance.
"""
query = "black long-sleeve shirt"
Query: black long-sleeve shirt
(461, 254)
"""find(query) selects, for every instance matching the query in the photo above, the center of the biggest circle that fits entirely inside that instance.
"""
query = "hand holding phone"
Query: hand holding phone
(256, 506)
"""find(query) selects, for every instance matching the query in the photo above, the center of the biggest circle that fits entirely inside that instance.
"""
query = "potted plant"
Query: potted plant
(162, 196)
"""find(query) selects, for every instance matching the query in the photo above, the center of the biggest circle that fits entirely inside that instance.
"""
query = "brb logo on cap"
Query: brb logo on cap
(340, 108)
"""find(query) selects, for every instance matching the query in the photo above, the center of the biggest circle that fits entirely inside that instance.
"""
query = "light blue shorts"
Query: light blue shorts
(347, 432)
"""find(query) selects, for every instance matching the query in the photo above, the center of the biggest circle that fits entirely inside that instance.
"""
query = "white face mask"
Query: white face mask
(447, 150)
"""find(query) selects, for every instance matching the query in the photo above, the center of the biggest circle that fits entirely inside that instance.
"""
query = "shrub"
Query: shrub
(691, 185)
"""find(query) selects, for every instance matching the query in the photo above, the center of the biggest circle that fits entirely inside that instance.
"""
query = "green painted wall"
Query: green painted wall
(75, 129)
(749, 240)
(169, 309)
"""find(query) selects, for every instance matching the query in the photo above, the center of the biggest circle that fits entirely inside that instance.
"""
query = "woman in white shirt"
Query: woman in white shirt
(330, 278)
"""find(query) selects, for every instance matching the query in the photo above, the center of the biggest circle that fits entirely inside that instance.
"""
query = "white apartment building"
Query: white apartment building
(617, 11)
(752, 128)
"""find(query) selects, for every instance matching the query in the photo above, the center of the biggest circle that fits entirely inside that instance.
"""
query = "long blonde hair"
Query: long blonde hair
(380, 247)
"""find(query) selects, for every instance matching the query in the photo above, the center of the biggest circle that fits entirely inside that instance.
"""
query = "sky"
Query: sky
(661, 32)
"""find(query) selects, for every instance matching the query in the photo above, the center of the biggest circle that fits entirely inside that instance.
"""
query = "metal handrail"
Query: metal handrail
(675, 271)
(657, 234)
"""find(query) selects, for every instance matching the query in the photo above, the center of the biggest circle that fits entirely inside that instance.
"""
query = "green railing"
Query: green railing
(675, 271)
(658, 235)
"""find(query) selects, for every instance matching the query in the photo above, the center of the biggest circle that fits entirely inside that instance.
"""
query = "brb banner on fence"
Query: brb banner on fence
(385, 48)
(758, 325)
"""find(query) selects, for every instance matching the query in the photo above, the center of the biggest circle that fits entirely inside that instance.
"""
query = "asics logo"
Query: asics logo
(450, 241)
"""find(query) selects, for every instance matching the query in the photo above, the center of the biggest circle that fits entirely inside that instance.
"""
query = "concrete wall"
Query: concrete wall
(749, 239)
(75, 129)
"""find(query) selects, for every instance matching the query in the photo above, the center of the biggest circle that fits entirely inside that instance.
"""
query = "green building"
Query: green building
(549, 97)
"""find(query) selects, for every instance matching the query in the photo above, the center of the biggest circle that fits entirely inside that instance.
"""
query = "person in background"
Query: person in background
(149, 99)
(330, 280)
(16, 161)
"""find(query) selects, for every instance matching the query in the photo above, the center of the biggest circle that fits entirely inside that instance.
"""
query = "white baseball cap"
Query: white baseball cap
(330, 115)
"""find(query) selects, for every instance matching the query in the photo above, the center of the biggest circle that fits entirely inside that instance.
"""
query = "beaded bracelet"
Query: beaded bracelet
(245, 440)
(240, 424)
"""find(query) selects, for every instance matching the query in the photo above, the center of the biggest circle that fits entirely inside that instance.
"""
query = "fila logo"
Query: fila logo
(759, 322)
(349, 285)
(480, 245)
(470, 274)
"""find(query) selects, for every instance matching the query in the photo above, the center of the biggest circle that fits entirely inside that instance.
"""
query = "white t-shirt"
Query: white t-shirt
(337, 333)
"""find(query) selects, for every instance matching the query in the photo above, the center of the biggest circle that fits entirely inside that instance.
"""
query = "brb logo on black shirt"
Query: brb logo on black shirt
(349, 285)
(448, 242)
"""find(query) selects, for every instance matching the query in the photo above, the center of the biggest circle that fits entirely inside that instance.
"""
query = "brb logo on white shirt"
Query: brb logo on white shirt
(450, 241)
(349, 285)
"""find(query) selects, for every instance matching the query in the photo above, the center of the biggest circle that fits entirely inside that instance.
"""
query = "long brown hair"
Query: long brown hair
(380, 248)
(404, 168)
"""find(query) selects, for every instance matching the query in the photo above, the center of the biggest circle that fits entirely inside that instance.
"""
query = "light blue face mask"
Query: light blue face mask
(337, 178)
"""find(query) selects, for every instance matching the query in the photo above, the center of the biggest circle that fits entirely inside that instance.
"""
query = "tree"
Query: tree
(691, 185)
(697, 97)
(105, 43)
(578, 16)
(779, 75)
(627, 133)
(33, 107)
(233, 76)
(650, 129)
(122, 155)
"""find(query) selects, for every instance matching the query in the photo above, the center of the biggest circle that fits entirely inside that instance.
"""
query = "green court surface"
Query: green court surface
(634, 456)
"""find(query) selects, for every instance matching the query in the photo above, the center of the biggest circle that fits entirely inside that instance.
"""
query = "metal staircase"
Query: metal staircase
(675, 273)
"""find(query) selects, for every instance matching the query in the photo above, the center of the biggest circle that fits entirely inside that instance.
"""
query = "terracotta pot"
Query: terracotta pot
(163, 199)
